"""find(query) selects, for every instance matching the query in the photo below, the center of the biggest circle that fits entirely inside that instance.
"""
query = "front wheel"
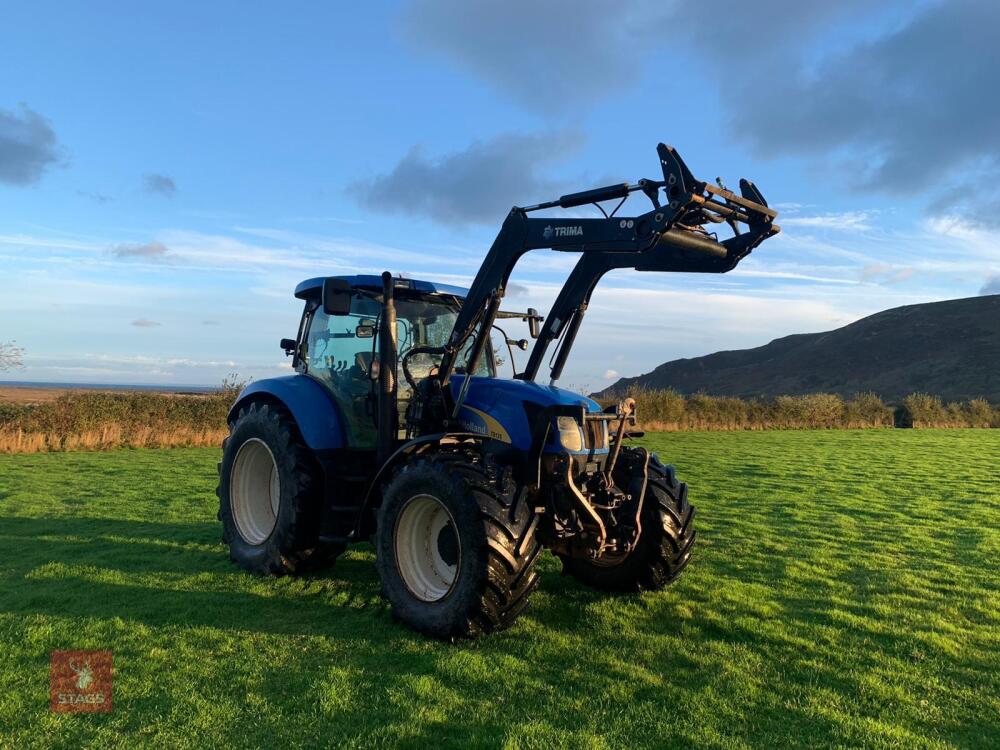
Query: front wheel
(455, 552)
(666, 539)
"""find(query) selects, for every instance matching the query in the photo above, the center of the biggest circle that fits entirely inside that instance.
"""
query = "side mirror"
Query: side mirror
(534, 319)
(365, 329)
(337, 296)
(289, 346)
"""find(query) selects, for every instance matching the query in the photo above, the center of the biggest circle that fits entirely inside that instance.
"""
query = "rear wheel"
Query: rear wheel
(455, 551)
(270, 494)
(667, 532)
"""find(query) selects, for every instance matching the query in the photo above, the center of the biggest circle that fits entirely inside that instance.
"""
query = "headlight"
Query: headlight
(570, 434)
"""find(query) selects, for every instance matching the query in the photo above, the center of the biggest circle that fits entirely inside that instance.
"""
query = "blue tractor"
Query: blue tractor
(397, 429)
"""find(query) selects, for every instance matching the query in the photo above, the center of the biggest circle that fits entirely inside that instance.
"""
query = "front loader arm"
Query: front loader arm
(670, 237)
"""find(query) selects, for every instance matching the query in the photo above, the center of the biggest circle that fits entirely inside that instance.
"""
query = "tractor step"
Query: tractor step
(343, 508)
(338, 519)
(336, 539)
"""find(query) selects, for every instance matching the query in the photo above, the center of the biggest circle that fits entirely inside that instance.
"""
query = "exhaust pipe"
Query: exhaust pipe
(388, 415)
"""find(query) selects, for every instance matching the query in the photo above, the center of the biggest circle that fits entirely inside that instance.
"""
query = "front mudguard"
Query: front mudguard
(373, 494)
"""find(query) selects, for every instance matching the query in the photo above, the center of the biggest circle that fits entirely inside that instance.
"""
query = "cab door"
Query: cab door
(338, 352)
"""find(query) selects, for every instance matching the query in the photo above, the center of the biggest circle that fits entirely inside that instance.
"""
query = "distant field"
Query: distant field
(26, 394)
(844, 593)
(15, 394)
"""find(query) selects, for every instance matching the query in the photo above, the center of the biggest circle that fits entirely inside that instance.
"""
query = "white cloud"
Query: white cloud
(811, 278)
(150, 250)
(992, 286)
(969, 240)
(791, 275)
(24, 240)
(141, 368)
(849, 221)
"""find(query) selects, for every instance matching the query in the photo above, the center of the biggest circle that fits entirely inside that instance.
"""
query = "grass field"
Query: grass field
(845, 592)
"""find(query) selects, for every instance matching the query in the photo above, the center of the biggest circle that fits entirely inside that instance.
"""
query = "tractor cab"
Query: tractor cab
(339, 347)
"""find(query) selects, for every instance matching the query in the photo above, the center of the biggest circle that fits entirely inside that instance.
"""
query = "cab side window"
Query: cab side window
(340, 359)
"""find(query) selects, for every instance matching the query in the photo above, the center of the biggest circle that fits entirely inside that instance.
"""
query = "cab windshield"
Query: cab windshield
(340, 349)
(420, 322)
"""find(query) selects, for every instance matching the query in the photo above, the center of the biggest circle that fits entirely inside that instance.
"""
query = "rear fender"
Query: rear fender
(311, 406)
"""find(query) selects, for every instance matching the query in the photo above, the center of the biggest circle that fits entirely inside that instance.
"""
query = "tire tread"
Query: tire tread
(511, 545)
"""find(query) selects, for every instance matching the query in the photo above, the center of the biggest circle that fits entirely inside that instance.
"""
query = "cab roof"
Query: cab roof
(312, 287)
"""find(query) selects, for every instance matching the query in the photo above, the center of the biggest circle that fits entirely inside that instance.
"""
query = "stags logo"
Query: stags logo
(80, 681)
(84, 675)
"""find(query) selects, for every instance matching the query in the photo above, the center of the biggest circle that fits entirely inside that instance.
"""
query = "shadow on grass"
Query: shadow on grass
(166, 574)
(177, 576)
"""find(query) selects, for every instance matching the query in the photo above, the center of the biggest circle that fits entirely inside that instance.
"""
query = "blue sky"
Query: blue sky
(168, 173)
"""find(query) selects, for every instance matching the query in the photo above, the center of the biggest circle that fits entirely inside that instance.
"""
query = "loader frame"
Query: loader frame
(670, 237)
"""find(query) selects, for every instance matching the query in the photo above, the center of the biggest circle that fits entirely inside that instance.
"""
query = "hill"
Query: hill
(950, 349)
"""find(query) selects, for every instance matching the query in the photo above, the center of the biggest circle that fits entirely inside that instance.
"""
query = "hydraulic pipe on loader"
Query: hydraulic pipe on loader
(477, 352)
(693, 242)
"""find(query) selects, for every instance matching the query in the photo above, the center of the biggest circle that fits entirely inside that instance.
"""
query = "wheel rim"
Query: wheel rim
(427, 548)
(254, 491)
